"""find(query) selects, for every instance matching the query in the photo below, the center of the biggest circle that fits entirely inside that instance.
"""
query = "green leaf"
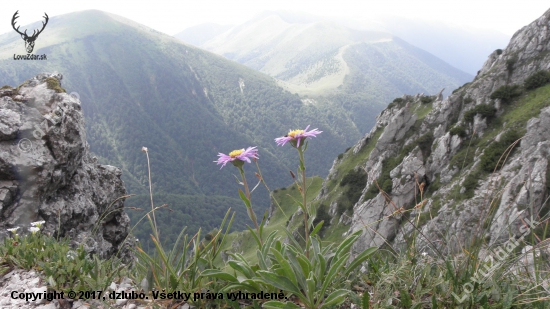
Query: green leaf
(262, 224)
(292, 240)
(302, 167)
(227, 229)
(243, 286)
(280, 305)
(366, 300)
(219, 274)
(300, 204)
(484, 302)
(285, 266)
(347, 243)
(316, 229)
(335, 298)
(405, 298)
(322, 267)
(359, 260)
(174, 252)
(450, 271)
(304, 263)
(258, 241)
(163, 256)
(508, 298)
(245, 199)
(311, 288)
(267, 244)
(297, 268)
(51, 281)
(242, 268)
(173, 282)
(281, 283)
(261, 260)
(278, 245)
(312, 211)
(316, 245)
(335, 267)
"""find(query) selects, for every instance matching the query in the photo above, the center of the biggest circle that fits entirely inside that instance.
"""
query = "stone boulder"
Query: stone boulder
(47, 172)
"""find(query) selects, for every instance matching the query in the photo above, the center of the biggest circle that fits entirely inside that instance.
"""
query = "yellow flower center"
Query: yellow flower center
(294, 133)
(235, 153)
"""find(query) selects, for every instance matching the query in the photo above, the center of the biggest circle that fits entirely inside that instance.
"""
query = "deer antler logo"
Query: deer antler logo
(29, 40)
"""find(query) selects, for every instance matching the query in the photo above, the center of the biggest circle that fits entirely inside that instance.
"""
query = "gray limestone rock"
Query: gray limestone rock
(450, 219)
(46, 172)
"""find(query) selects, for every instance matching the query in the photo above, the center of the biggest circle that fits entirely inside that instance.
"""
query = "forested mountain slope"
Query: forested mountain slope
(139, 87)
(335, 65)
(142, 88)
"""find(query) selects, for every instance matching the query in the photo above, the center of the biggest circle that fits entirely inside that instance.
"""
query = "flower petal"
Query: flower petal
(250, 152)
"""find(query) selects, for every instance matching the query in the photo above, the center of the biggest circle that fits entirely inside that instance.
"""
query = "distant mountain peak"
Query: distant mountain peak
(324, 58)
(291, 17)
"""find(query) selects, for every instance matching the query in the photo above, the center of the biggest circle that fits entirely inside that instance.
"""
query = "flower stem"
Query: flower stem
(251, 212)
(151, 195)
(304, 196)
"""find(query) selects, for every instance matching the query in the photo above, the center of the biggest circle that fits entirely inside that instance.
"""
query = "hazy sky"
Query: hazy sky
(171, 17)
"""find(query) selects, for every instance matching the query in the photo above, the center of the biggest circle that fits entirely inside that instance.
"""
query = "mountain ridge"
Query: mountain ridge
(275, 37)
(141, 88)
(114, 46)
(335, 65)
(450, 148)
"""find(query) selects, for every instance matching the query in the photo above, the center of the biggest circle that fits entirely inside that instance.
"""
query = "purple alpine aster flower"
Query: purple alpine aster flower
(238, 157)
(295, 137)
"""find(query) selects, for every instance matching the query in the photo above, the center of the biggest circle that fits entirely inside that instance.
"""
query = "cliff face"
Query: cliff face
(436, 158)
(47, 172)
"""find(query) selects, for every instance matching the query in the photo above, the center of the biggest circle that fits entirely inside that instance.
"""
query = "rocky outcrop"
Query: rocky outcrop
(47, 172)
(526, 53)
(439, 191)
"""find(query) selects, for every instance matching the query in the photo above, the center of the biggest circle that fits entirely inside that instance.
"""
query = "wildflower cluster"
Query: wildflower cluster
(34, 228)
(238, 157)
(307, 271)
(296, 138)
